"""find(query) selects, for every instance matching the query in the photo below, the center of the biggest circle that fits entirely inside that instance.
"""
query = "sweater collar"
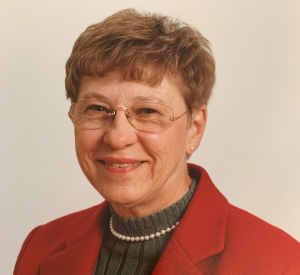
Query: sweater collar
(154, 222)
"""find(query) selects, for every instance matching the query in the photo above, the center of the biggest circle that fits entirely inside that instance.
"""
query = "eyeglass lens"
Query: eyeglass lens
(144, 116)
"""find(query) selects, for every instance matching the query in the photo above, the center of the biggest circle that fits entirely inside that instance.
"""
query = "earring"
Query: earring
(191, 148)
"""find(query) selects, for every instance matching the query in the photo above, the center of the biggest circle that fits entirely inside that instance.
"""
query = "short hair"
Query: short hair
(145, 47)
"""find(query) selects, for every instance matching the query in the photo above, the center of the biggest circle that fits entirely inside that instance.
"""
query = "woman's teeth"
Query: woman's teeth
(121, 165)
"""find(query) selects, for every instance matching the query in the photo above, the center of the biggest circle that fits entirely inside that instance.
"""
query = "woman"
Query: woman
(139, 86)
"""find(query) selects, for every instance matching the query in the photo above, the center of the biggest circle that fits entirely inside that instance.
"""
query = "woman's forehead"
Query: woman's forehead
(119, 90)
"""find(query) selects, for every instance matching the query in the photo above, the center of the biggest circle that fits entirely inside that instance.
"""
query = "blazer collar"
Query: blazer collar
(201, 232)
(93, 223)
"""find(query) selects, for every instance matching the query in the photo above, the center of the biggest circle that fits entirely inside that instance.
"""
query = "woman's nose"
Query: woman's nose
(119, 133)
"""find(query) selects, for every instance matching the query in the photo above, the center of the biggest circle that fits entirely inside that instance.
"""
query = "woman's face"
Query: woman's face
(158, 175)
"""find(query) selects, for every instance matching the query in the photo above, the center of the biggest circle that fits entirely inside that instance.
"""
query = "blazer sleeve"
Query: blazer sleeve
(23, 249)
(293, 268)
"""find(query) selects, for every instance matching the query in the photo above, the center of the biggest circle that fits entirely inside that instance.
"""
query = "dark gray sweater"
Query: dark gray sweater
(118, 257)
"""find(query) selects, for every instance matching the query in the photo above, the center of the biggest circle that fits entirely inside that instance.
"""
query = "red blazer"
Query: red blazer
(213, 238)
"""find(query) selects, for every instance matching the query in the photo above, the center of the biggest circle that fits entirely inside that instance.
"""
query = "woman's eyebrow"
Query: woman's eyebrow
(100, 97)
(150, 98)
(93, 96)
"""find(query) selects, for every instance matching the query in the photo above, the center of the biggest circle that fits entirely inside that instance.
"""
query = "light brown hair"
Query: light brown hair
(144, 47)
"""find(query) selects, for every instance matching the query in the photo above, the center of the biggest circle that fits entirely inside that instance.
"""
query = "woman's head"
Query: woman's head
(145, 47)
(135, 161)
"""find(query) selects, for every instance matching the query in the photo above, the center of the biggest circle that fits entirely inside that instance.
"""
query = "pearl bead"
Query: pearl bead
(142, 238)
(157, 234)
(123, 237)
(147, 238)
(152, 236)
(163, 232)
(128, 238)
(137, 239)
(132, 239)
(173, 227)
(168, 229)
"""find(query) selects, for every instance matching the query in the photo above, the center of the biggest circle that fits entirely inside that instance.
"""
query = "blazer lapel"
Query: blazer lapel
(83, 239)
(174, 261)
(80, 259)
(201, 232)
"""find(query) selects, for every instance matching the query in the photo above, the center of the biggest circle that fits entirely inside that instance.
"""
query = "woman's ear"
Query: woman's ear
(197, 128)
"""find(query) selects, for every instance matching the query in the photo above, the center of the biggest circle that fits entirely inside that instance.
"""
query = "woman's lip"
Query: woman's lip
(120, 160)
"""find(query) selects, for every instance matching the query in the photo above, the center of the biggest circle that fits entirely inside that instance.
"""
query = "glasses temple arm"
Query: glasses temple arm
(175, 118)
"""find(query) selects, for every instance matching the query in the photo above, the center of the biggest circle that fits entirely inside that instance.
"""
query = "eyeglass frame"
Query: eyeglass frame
(128, 113)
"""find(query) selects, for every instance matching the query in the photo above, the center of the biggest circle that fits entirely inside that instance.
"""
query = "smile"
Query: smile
(121, 165)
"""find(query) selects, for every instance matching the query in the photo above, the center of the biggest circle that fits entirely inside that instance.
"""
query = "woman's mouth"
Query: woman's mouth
(120, 165)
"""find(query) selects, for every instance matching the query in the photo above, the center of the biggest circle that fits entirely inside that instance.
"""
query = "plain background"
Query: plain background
(251, 145)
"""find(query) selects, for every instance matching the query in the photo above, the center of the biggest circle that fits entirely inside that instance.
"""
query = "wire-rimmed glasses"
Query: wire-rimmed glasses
(144, 116)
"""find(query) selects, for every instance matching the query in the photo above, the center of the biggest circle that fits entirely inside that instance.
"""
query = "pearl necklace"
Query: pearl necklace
(141, 238)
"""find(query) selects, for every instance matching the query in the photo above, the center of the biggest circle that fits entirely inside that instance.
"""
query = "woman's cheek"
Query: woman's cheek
(87, 140)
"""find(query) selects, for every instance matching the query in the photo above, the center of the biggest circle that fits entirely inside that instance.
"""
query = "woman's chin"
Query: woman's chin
(124, 197)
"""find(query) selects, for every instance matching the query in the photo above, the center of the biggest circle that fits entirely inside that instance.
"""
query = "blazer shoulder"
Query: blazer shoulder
(243, 222)
(23, 249)
(50, 238)
(53, 231)
(64, 221)
(250, 237)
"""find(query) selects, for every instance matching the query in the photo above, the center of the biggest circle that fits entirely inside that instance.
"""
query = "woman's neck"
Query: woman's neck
(168, 195)
(156, 221)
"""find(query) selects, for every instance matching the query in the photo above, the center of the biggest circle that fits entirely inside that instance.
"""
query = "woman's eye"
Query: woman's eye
(146, 111)
(97, 108)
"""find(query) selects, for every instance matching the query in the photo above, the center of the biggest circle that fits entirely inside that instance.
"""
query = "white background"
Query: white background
(251, 146)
